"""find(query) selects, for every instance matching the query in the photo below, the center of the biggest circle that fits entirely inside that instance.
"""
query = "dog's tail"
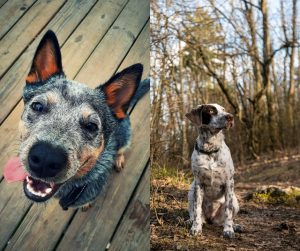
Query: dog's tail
(142, 89)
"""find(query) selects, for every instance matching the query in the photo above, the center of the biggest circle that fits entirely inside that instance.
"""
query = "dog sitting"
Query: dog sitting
(71, 135)
(211, 197)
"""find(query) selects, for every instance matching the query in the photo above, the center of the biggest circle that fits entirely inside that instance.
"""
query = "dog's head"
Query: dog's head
(211, 116)
(65, 125)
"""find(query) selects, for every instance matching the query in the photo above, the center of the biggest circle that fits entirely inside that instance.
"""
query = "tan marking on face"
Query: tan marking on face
(52, 98)
(23, 130)
(88, 159)
(86, 112)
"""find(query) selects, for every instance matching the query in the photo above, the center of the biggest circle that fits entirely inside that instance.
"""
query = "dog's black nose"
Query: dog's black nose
(46, 160)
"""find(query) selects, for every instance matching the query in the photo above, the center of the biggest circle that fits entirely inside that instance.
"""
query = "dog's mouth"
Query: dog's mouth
(229, 124)
(37, 190)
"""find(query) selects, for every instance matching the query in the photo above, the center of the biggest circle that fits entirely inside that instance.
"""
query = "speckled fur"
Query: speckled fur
(211, 196)
(67, 103)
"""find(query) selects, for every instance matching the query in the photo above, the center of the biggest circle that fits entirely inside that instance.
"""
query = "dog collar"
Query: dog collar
(205, 152)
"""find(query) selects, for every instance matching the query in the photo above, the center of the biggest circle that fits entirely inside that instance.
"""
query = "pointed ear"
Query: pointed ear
(46, 61)
(195, 115)
(120, 89)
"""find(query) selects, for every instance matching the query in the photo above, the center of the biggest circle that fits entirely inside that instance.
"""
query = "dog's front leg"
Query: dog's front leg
(228, 222)
(196, 198)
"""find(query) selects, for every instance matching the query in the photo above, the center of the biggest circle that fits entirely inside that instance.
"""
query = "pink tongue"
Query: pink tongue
(14, 171)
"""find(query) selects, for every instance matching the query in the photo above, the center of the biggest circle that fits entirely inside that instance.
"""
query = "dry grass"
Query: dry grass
(267, 227)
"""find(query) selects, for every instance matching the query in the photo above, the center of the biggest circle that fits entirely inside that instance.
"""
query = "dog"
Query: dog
(72, 135)
(211, 196)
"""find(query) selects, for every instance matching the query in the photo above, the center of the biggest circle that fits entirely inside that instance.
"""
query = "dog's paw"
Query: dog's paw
(195, 230)
(238, 228)
(120, 162)
(86, 207)
(228, 234)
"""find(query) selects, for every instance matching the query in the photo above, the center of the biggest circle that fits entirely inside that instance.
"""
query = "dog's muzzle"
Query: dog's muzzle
(45, 161)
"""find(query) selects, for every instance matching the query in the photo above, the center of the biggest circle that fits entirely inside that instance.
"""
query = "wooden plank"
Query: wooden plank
(16, 40)
(20, 239)
(140, 52)
(34, 232)
(115, 44)
(12, 82)
(12, 207)
(11, 12)
(98, 22)
(2, 2)
(133, 232)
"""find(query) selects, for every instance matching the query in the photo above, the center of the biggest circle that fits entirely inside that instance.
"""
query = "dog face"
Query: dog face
(212, 116)
(65, 125)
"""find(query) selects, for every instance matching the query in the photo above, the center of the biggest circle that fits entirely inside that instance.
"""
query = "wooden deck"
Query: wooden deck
(97, 38)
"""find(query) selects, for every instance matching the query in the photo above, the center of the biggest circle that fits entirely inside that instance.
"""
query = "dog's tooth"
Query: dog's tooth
(29, 180)
(30, 189)
(48, 190)
(30, 185)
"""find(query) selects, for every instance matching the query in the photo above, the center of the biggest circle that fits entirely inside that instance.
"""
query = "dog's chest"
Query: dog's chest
(211, 170)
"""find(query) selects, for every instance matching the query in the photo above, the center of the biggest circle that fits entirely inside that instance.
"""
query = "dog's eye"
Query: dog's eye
(92, 127)
(211, 111)
(38, 107)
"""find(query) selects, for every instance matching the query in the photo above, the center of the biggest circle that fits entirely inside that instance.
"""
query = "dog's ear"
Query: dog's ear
(120, 89)
(46, 61)
(195, 115)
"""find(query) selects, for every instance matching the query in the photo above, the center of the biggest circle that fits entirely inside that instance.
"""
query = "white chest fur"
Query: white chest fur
(213, 171)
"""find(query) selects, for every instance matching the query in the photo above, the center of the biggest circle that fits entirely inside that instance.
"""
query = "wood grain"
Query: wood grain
(25, 30)
(115, 44)
(11, 12)
(133, 232)
(2, 2)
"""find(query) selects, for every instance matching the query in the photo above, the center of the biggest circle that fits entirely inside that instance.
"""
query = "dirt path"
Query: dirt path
(267, 227)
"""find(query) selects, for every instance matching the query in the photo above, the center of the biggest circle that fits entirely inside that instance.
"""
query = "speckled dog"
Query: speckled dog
(71, 135)
(211, 197)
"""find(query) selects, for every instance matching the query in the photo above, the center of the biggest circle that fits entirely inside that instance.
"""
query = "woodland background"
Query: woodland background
(242, 54)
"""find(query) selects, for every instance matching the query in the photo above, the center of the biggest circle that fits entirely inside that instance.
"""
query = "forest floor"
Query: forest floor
(266, 226)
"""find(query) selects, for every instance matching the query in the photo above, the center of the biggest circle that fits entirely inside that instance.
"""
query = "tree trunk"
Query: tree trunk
(272, 125)
(185, 147)
(291, 93)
